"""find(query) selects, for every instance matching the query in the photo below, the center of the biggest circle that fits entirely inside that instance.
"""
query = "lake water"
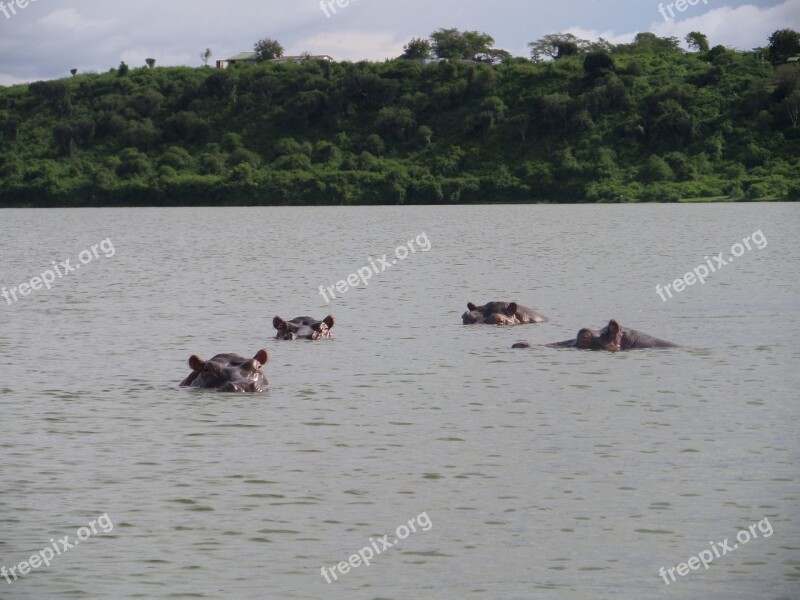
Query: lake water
(537, 473)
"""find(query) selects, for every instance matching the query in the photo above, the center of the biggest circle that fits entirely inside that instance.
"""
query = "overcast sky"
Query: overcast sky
(44, 39)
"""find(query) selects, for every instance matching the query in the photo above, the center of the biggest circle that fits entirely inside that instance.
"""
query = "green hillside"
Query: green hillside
(645, 121)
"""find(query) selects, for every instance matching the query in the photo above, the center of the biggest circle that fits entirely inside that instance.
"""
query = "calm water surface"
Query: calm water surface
(544, 473)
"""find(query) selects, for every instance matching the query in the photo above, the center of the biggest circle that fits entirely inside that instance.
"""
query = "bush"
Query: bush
(177, 158)
(292, 162)
(598, 61)
(133, 163)
(374, 145)
(655, 169)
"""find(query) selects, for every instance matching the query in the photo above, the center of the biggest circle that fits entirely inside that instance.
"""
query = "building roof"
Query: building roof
(244, 56)
(304, 57)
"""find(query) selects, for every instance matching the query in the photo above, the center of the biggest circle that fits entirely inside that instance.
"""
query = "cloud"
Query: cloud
(593, 35)
(69, 19)
(8, 80)
(744, 27)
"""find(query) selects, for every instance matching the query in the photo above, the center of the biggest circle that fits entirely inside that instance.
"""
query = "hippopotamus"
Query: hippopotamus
(613, 337)
(501, 313)
(228, 373)
(304, 328)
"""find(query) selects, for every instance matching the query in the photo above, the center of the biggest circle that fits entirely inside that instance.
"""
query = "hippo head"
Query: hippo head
(501, 313)
(472, 317)
(228, 373)
(493, 313)
(609, 338)
(304, 328)
(492, 307)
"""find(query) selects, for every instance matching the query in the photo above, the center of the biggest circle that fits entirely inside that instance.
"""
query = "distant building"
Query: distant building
(242, 57)
(250, 57)
(302, 57)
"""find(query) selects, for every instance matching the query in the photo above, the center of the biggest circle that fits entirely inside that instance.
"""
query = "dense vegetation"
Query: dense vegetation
(642, 121)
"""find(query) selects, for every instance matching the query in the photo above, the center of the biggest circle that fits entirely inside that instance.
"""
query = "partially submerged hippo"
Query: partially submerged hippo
(304, 328)
(228, 373)
(613, 337)
(501, 313)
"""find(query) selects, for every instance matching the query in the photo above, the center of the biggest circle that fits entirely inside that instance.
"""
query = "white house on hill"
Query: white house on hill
(250, 57)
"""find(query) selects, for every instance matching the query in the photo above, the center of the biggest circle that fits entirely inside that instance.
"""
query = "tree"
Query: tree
(647, 39)
(555, 109)
(11, 128)
(783, 44)
(469, 45)
(697, 41)
(396, 122)
(494, 56)
(74, 72)
(123, 69)
(205, 56)
(557, 45)
(519, 123)
(655, 169)
(598, 61)
(267, 49)
(54, 92)
(65, 139)
(416, 49)
(151, 62)
(263, 89)
(566, 49)
(792, 105)
(786, 81)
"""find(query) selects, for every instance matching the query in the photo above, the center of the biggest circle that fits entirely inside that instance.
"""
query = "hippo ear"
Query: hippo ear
(512, 309)
(196, 363)
(471, 306)
(329, 321)
(277, 323)
(614, 327)
(262, 356)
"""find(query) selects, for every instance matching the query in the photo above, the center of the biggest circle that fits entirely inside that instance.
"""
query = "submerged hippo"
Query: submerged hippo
(501, 313)
(304, 328)
(613, 337)
(228, 373)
